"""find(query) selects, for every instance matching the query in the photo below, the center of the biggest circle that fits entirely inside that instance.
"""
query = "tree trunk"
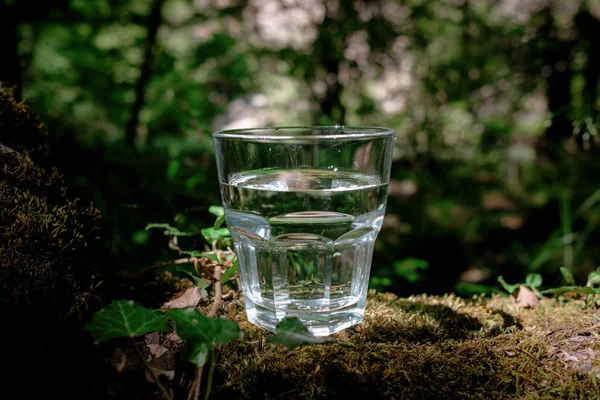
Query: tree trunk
(154, 20)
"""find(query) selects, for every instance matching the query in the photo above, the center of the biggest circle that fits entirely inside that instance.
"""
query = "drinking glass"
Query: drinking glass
(304, 206)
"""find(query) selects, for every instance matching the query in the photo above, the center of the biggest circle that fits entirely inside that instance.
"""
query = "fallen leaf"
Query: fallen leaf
(118, 360)
(526, 298)
(190, 298)
(158, 372)
(152, 338)
(157, 350)
(165, 362)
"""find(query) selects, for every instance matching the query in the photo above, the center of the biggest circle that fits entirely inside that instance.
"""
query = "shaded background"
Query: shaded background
(495, 105)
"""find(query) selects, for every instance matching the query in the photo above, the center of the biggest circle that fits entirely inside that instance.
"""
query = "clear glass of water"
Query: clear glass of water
(304, 206)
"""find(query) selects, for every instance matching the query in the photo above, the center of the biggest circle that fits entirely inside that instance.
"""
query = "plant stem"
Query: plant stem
(211, 371)
(567, 228)
(218, 300)
(248, 370)
(194, 393)
(161, 388)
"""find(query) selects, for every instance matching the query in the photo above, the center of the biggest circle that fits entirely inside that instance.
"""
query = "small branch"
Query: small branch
(161, 388)
(194, 393)
(173, 244)
(218, 300)
(249, 370)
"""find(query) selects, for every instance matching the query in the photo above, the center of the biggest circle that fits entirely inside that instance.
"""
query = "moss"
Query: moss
(48, 241)
(430, 347)
(20, 129)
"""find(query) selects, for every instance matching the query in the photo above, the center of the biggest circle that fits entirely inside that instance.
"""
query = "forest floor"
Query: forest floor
(416, 347)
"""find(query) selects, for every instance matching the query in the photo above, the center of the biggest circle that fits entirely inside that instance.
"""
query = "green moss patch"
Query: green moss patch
(430, 347)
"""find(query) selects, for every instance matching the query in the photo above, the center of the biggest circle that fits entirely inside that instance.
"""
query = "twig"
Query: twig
(173, 245)
(247, 372)
(228, 295)
(194, 393)
(218, 300)
(161, 388)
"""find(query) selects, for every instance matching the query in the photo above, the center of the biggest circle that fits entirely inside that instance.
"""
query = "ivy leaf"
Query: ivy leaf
(219, 222)
(567, 275)
(211, 234)
(168, 229)
(292, 333)
(190, 271)
(124, 318)
(533, 280)
(217, 211)
(230, 272)
(202, 333)
(570, 289)
(509, 288)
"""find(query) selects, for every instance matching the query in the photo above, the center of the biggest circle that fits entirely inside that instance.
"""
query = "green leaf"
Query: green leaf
(219, 222)
(533, 280)
(570, 289)
(410, 268)
(217, 211)
(140, 236)
(230, 272)
(124, 318)
(190, 271)
(594, 278)
(173, 168)
(169, 230)
(212, 257)
(211, 234)
(292, 333)
(567, 275)
(509, 288)
(201, 333)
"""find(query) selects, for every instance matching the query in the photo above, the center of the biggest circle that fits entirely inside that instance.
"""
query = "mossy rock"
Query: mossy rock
(50, 257)
(47, 240)
(429, 348)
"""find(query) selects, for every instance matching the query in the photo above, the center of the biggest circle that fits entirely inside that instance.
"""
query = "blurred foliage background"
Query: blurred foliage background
(495, 104)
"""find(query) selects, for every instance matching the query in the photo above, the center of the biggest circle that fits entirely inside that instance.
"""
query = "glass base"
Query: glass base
(318, 323)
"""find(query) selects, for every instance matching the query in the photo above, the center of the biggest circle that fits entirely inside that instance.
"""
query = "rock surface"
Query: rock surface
(49, 263)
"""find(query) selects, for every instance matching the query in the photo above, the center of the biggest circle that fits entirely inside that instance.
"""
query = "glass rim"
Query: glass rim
(306, 132)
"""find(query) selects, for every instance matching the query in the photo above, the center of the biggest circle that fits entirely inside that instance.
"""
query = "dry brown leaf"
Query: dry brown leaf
(118, 360)
(157, 350)
(152, 338)
(158, 372)
(526, 298)
(190, 298)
